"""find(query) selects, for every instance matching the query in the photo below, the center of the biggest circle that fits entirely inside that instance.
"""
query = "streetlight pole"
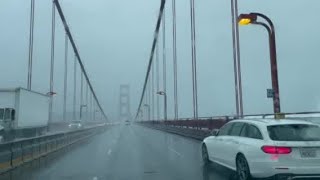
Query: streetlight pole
(175, 71)
(157, 80)
(194, 60)
(162, 93)
(238, 60)
(74, 86)
(31, 44)
(148, 108)
(82, 106)
(87, 101)
(140, 115)
(65, 79)
(251, 18)
(235, 62)
(53, 29)
(81, 90)
(164, 58)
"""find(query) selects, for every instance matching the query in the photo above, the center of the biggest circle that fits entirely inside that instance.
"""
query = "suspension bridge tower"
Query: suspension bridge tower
(124, 103)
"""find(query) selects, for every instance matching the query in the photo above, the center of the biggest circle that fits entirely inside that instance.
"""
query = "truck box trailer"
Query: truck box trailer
(22, 109)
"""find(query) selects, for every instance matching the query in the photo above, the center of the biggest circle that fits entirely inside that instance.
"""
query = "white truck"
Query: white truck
(23, 113)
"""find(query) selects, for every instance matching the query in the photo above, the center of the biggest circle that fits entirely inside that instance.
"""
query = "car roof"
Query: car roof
(270, 122)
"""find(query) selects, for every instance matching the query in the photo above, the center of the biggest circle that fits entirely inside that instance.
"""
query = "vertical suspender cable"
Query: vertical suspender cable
(194, 61)
(74, 86)
(238, 58)
(52, 62)
(31, 45)
(65, 79)
(235, 57)
(175, 73)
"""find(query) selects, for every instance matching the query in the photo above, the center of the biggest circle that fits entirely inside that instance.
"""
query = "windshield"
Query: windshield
(294, 132)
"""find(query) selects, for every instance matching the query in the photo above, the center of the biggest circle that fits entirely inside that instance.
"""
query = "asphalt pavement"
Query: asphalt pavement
(125, 152)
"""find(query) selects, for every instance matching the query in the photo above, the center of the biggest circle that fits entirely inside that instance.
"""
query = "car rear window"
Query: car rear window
(294, 132)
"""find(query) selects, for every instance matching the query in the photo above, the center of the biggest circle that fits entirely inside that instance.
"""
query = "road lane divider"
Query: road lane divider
(176, 152)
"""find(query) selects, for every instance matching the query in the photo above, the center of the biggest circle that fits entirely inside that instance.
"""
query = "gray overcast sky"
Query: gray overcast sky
(114, 39)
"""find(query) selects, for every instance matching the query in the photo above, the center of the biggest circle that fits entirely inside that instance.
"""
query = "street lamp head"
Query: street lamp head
(146, 105)
(161, 93)
(246, 19)
(51, 93)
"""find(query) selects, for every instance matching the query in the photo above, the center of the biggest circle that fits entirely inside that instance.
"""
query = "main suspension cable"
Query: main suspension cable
(155, 39)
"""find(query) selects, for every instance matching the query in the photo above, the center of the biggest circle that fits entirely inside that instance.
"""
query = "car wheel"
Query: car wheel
(243, 170)
(205, 156)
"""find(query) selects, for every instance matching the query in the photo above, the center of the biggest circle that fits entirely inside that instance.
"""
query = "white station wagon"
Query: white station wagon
(260, 148)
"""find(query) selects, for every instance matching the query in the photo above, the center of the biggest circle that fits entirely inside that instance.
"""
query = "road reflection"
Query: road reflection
(216, 172)
(30, 170)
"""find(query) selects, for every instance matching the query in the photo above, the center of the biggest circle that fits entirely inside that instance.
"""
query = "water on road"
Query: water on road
(123, 152)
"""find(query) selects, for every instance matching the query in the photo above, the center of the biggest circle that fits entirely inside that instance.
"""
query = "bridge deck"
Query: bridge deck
(125, 152)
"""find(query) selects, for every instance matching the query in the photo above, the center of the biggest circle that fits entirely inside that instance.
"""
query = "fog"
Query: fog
(114, 40)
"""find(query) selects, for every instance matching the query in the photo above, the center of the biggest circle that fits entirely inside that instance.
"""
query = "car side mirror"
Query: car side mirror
(214, 132)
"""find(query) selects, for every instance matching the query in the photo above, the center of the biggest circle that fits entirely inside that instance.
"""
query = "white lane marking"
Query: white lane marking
(171, 149)
(109, 151)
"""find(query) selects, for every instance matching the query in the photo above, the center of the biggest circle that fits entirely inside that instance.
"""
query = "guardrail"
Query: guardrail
(190, 133)
(200, 128)
(261, 115)
(15, 153)
(207, 124)
(197, 129)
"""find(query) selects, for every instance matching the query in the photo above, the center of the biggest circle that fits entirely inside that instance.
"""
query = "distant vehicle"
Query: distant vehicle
(23, 112)
(75, 125)
(127, 122)
(284, 149)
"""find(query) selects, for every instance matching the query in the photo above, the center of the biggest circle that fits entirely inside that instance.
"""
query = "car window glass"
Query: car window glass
(236, 129)
(224, 131)
(7, 114)
(244, 131)
(294, 132)
(13, 114)
(1, 113)
(254, 132)
(251, 131)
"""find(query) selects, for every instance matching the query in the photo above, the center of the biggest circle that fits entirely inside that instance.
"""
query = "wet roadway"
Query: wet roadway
(124, 152)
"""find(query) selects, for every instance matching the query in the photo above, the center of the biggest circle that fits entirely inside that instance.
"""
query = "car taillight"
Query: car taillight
(276, 150)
